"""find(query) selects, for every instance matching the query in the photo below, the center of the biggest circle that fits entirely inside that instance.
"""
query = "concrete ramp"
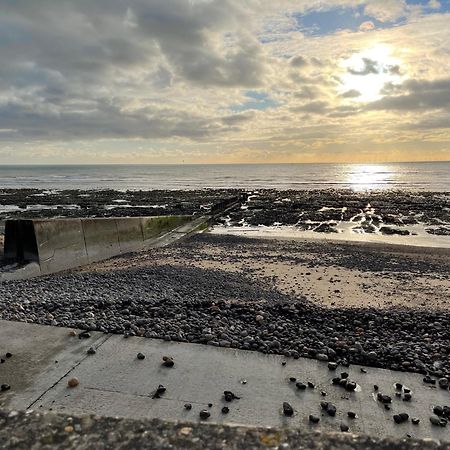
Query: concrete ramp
(59, 244)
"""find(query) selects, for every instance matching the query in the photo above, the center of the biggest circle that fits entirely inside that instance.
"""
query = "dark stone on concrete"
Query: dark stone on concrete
(287, 409)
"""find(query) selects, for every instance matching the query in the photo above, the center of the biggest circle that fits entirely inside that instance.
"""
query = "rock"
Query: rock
(311, 385)
(287, 409)
(8, 355)
(314, 419)
(187, 406)
(383, 398)
(375, 387)
(344, 427)
(435, 421)
(407, 397)
(91, 351)
(229, 396)
(73, 382)
(72, 333)
(300, 386)
(168, 361)
(204, 414)
(332, 365)
(225, 410)
(331, 410)
(401, 418)
(5, 387)
(344, 375)
(415, 421)
(398, 386)
(438, 410)
(259, 318)
(443, 383)
(292, 379)
(140, 356)
(350, 386)
(351, 415)
(84, 335)
(159, 391)
(322, 357)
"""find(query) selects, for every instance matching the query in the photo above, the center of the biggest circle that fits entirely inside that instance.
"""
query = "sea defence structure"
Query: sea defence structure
(43, 246)
(59, 244)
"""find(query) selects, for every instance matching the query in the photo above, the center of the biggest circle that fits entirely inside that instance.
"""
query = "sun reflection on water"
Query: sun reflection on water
(362, 177)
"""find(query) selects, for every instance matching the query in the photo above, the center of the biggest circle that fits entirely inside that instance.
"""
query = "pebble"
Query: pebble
(187, 406)
(140, 356)
(300, 386)
(332, 365)
(287, 409)
(8, 355)
(91, 351)
(168, 361)
(5, 387)
(230, 396)
(225, 410)
(314, 419)
(73, 382)
(415, 421)
(443, 383)
(400, 418)
(344, 427)
(204, 414)
(351, 415)
(435, 421)
(159, 391)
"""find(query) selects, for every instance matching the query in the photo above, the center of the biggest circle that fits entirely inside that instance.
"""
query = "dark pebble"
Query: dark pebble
(229, 396)
(332, 365)
(311, 385)
(140, 356)
(210, 405)
(292, 379)
(91, 351)
(344, 427)
(375, 387)
(225, 410)
(314, 419)
(351, 414)
(344, 375)
(407, 397)
(415, 421)
(5, 387)
(300, 386)
(8, 355)
(161, 389)
(398, 386)
(287, 409)
(204, 414)
(187, 406)
(168, 361)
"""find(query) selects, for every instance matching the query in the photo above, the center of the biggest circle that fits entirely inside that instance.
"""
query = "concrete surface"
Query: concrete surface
(113, 382)
(59, 244)
(36, 431)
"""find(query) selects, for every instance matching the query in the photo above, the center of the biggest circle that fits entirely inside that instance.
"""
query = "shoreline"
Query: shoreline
(261, 233)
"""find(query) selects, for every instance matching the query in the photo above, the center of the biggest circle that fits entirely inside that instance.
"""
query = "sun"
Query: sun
(368, 71)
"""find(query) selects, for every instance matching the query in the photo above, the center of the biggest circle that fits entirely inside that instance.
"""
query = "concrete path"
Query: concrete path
(113, 382)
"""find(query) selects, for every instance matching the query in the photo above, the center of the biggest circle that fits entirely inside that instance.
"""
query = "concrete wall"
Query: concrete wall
(59, 244)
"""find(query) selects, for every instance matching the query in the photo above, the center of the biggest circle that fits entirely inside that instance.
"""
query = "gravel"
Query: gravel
(219, 308)
(37, 431)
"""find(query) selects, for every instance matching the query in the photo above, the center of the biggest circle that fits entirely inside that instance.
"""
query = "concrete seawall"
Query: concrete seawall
(59, 244)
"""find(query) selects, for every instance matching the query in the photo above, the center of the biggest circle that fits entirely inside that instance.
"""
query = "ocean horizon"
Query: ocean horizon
(423, 176)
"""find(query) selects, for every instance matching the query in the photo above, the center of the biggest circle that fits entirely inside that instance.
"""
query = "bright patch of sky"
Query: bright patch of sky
(256, 100)
(324, 22)
(328, 22)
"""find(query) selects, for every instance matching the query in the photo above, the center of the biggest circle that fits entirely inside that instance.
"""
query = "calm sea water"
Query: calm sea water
(431, 176)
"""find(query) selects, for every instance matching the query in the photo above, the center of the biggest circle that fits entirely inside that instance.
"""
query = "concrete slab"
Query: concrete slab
(41, 357)
(113, 382)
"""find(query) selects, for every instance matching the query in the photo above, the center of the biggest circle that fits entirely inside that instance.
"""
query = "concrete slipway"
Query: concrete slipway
(113, 382)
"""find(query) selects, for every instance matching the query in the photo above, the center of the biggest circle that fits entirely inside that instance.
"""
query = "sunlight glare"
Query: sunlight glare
(369, 81)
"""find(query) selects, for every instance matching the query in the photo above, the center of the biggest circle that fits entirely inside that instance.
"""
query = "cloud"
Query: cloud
(369, 67)
(352, 93)
(386, 10)
(368, 25)
(416, 95)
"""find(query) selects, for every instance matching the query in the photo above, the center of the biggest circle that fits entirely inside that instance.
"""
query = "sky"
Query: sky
(224, 81)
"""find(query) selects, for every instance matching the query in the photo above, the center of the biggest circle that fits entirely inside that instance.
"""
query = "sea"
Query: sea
(417, 176)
